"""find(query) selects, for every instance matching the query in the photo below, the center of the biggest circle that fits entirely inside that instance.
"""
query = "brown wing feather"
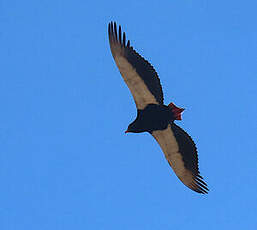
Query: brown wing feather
(181, 153)
(138, 73)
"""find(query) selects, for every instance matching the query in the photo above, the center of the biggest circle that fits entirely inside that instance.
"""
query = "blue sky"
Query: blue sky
(65, 161)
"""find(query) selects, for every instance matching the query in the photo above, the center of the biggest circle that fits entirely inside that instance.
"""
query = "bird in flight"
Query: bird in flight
(152, 115)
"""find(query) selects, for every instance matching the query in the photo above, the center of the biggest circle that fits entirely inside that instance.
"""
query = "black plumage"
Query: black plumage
(152, 115)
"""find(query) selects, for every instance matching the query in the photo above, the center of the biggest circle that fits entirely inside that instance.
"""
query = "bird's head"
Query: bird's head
(134, 127)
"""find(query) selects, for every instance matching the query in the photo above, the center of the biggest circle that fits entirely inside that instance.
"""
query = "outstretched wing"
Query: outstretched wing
(181, 153)
(139, 75)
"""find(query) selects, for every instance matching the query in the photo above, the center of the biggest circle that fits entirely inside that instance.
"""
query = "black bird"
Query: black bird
(152, 115)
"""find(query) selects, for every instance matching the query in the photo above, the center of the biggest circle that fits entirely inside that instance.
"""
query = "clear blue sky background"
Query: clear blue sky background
(65, 161)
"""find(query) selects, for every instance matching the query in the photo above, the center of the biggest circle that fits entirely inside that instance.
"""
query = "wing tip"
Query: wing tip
(199, 185)
(116, 36)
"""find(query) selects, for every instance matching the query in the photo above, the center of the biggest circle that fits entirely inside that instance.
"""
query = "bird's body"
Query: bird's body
(152, 115)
